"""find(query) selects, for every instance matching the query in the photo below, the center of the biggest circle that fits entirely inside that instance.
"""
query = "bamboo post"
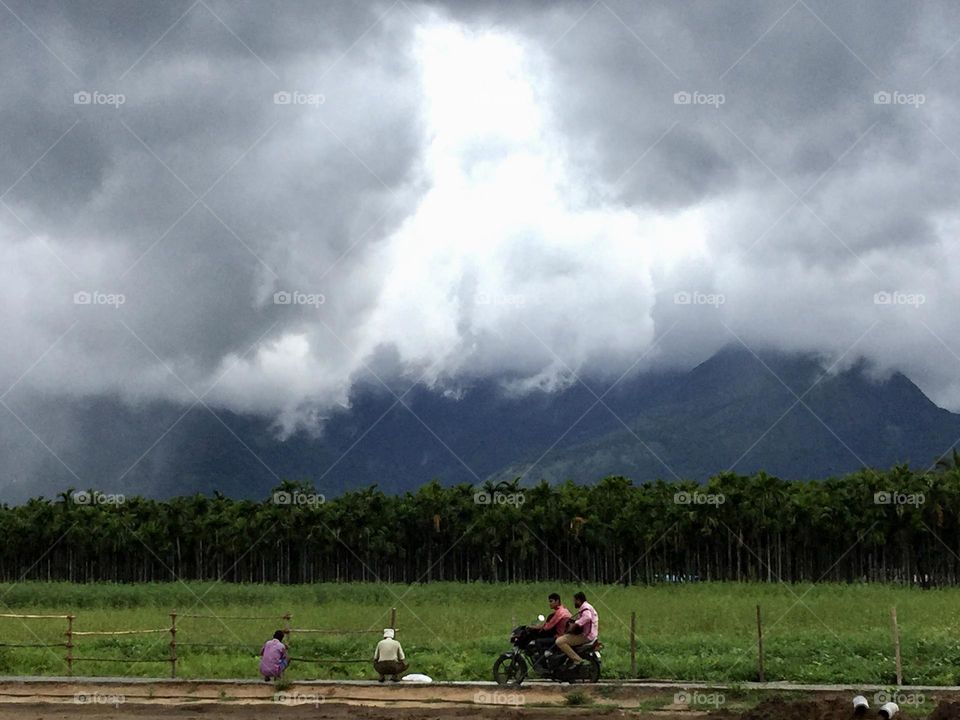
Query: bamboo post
(760, 647)
(393, 619)
(173, 644)
(896, 645)
(633, 643)
(70, 645)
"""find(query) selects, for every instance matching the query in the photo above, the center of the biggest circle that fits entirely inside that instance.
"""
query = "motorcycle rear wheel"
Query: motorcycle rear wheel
(590, 670)
(509, 669)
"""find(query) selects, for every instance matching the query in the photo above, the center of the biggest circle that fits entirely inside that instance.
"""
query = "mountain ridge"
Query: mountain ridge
(735, 410)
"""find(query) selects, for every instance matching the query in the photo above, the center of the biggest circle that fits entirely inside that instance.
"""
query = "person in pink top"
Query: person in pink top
(273, 657)
(581, 631)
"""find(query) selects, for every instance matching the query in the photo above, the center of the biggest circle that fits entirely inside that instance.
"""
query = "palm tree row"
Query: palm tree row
(891, 526)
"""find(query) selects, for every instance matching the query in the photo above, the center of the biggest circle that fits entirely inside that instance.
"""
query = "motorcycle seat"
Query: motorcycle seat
(586, 647)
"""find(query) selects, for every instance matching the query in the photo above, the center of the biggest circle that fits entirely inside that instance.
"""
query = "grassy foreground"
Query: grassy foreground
(822, 633)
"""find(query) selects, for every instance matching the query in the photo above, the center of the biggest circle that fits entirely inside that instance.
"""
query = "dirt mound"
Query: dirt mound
(946, 711)
(780, 709)
(824, 709)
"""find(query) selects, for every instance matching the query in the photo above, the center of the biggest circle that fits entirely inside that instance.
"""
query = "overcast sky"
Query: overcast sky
(258, 203)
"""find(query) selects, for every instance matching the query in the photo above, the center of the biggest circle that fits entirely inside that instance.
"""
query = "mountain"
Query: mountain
(779, 413)
(735, 410)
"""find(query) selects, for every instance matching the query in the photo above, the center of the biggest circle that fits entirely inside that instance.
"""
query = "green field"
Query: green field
(833, 633)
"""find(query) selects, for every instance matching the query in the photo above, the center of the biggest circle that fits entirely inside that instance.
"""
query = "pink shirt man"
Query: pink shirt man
(273, 658)
(587, 622)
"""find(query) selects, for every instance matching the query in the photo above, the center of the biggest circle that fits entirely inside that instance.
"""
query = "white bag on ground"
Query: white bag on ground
(417, 678)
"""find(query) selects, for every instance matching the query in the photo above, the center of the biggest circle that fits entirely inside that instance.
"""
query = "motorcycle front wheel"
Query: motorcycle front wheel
(509, 669)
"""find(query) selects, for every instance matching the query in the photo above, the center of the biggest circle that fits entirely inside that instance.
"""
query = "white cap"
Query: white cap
(388, 633)
(888, 710)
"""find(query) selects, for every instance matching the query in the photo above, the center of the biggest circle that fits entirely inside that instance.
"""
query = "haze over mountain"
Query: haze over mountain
(735, 410)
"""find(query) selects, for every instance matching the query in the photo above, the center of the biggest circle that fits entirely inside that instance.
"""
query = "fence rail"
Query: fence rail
(71, 635)
(173, 630)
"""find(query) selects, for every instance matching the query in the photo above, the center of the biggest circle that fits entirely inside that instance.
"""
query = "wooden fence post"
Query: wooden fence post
(286, 625)
(896, 645)
(70, 645)
(633, 643)
(173, 644)
(393, 619)
(760, 647)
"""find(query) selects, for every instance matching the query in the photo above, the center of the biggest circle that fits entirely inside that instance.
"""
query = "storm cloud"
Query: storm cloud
(258, 204)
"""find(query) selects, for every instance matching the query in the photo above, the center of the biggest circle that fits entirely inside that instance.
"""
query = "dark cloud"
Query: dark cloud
(462, 190)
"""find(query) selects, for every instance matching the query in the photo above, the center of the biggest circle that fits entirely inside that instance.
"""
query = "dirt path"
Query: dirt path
(52, 699)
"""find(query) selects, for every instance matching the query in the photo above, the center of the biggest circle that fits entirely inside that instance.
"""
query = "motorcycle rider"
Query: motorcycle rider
(584, 629)
(556, 623)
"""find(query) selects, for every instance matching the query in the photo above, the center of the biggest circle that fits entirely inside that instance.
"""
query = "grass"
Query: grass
(705, 632)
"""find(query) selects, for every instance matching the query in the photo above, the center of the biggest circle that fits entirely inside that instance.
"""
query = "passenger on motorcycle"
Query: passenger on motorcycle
(581, 631)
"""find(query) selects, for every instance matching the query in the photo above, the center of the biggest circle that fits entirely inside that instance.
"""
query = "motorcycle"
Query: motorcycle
(536, 655)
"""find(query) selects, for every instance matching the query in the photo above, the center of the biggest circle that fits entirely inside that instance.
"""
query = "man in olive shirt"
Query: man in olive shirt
(388, 658)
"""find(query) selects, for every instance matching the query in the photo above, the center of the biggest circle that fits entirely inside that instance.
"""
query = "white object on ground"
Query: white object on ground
(417, 677)
(860, 703)
(888, 710)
